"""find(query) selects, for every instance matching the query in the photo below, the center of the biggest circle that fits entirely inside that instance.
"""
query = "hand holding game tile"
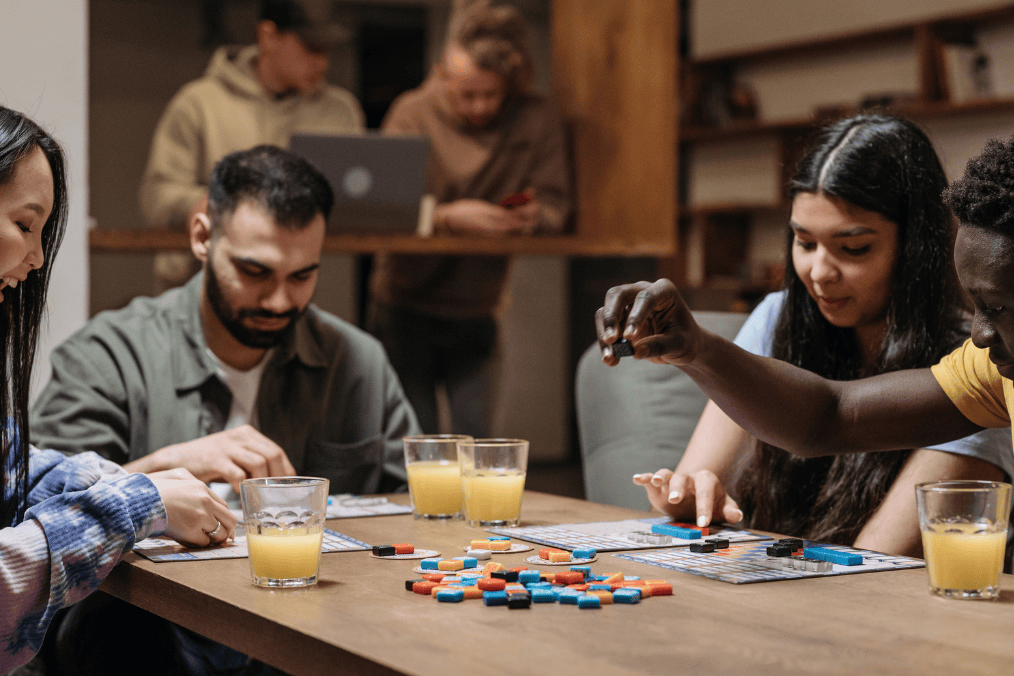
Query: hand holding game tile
(654, 318)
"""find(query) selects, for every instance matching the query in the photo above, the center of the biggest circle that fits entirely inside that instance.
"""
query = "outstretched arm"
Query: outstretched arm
(784, 405)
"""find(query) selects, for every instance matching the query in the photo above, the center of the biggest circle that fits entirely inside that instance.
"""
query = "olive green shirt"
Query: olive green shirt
(135, 380)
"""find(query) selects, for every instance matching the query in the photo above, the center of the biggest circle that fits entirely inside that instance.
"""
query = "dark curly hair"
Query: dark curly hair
(885, 165)
(984, 196)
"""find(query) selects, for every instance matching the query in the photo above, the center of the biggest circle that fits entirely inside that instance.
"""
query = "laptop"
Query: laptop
(378, 180)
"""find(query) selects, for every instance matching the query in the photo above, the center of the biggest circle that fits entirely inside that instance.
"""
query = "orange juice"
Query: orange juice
(435, 486)
(493, 495)
(285, 553)
(965, 559)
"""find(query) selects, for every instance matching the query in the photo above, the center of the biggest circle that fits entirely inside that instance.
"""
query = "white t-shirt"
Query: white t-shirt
(244, 386)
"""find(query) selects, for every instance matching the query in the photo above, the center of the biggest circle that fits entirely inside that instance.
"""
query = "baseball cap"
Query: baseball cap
(312, 20)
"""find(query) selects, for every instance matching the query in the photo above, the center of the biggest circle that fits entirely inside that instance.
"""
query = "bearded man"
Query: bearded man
(236, 374)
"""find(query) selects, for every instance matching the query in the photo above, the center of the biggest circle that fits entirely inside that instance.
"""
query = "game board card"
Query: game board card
(612, 536)
(162, 549)
(748, 563)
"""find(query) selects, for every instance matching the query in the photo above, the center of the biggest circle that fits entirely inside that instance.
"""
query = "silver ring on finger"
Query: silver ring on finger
(211, 533)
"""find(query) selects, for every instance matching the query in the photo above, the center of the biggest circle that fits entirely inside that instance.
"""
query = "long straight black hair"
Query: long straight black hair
(884, 165)
(22, 310)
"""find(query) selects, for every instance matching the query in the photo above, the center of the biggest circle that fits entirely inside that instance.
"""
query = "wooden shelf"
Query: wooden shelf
(151, 241)
(917, 112)
(949, 23)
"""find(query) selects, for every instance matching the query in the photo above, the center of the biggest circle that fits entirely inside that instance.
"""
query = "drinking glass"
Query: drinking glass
(284, 522)
(434, 480)
(492, 480)
(964, 533)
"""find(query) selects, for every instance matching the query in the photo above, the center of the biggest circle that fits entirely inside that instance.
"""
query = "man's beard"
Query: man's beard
(232, 319)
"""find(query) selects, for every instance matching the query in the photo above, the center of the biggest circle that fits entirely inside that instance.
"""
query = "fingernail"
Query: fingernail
(739, 516)
(702, 521)
(607, 352)
(657, 480)
(674, 496)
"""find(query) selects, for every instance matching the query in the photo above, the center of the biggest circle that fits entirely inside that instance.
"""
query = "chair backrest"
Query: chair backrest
(637, 417)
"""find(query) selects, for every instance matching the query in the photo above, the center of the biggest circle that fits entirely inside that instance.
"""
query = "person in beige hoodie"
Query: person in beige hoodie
(248, 96)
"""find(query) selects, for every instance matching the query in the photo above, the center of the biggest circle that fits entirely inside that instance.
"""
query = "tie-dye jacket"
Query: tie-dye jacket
(83, 514)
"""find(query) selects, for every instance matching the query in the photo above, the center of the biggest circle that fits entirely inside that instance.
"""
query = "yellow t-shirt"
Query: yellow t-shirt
(971, 381)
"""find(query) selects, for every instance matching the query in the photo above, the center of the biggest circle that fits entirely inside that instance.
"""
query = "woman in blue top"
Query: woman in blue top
(870, 288)
(64, 522)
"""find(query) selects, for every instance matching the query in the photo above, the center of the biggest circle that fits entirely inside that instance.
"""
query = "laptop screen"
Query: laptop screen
(378, 180)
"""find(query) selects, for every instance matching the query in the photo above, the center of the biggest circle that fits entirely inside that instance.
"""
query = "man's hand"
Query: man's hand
(197, 517)
(669, 491)
(479, 217)
(654, 318)
(230, 456)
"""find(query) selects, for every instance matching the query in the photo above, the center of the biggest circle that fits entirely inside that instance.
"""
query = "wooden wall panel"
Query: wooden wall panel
(615, 74)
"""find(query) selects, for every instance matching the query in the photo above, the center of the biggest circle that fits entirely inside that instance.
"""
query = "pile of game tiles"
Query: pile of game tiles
(521, 587)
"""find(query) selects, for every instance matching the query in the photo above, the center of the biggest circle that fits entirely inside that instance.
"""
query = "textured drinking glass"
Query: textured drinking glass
(284, 522)
(434, 480)
(492, 480)
(964, 533)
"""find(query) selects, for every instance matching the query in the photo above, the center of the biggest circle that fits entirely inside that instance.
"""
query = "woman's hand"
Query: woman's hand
(654, 318)
(197, 517)
(699, 498)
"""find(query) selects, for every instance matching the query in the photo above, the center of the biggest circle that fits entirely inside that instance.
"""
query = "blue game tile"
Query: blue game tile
(541, 595)
(584, 553)
(570, 596)
(589, 601)
(430, 564)
(627, 595)
(676, 531)
(834, 556)
(584, 570)
(527, 576)
(451, 595)
(494, 598)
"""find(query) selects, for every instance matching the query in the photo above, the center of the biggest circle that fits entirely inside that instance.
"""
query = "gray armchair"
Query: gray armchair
(636, 417)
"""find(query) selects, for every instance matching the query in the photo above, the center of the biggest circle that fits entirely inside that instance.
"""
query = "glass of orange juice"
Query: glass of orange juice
(284, 522)
(434, 480)
(492, 480)
(964, 533)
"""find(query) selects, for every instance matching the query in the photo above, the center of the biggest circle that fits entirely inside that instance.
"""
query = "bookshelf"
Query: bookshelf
(722, 223)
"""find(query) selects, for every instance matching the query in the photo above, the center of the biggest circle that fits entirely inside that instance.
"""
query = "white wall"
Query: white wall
(43, 49)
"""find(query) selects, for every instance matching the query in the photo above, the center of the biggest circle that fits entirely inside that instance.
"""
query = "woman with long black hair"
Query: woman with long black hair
(64, 522)
(870, 288)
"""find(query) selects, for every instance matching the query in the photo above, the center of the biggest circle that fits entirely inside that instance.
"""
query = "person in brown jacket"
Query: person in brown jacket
(498, 168)
(261, 93)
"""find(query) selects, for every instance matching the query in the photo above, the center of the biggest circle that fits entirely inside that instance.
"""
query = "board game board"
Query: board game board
(611, 536)
(162, 549)
(748, 563)
(348, 506)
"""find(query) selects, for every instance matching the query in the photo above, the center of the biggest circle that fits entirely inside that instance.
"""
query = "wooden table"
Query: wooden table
(360, 620)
